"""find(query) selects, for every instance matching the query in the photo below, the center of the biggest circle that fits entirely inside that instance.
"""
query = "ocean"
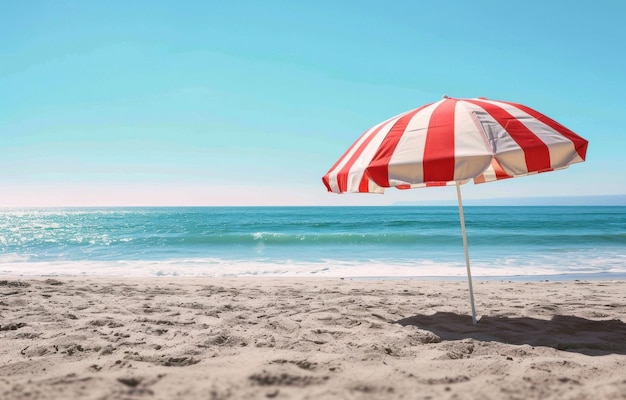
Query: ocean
(314, 241)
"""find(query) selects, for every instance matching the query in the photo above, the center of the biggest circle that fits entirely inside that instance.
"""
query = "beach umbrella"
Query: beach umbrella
(451, 142)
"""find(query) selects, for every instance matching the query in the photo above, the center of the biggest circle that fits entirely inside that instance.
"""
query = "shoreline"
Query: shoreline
(564, 277)
(309, 338)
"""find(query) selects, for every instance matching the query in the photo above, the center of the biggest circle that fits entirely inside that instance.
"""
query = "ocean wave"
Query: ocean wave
(76, 241)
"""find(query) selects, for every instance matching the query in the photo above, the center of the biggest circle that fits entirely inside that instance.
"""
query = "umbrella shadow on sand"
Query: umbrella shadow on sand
(562, 332)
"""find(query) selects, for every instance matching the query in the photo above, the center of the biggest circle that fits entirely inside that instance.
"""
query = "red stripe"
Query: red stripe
(364, 185)
(343, 156)
(499, 172)
(326, 178)
(378, 169)
(325, 181)
(536, 152)
(497, 167)
(439, 147)
(480, 179)
(580, 144)
(342, 175)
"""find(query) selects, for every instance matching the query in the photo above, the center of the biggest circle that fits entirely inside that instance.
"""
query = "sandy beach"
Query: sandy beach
(284, 338)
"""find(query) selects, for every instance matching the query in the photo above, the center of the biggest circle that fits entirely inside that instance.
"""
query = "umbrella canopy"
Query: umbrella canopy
(450, 142)
(455, 140)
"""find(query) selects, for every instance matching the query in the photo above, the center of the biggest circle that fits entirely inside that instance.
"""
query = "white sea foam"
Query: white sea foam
(16, 266)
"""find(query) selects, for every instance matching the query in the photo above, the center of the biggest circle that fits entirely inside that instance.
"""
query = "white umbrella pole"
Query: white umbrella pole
(467, 263)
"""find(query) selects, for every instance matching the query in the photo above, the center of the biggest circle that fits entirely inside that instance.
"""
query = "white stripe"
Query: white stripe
(355, 174)
(489, 174)
(406, 162)
(372, 187)
(363, 161)
(472, 150)
(332, 175)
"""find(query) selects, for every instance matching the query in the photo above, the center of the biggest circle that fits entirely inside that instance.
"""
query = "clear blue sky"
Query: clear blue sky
(251, 102)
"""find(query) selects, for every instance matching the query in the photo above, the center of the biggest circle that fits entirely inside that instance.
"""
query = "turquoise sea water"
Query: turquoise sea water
(320, 241)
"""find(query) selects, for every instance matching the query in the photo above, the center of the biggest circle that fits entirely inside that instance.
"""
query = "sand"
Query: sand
(280, 338)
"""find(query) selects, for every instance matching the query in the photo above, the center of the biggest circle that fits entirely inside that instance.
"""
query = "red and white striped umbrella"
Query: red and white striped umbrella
(452, 141)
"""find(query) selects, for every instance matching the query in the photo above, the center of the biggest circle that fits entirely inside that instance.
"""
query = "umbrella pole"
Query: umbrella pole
(467, 263)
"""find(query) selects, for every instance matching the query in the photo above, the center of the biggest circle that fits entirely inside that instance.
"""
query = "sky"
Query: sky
(150, 103)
